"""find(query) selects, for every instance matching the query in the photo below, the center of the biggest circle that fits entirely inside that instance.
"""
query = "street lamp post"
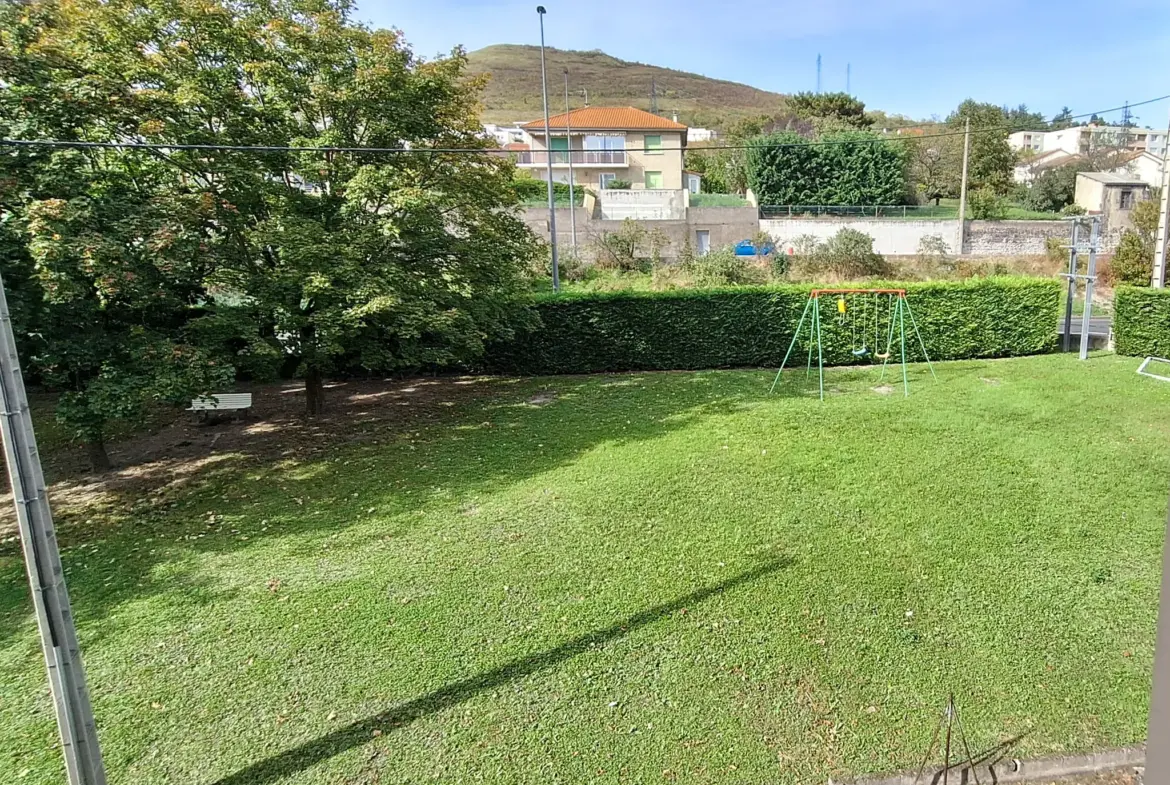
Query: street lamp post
(552, 206)
(572, 199)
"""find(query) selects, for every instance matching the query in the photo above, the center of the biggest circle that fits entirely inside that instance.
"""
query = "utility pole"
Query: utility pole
(585, 92)
(552, 204)
(572, 199)
(963, 189)
(1090, 277)
(1163, 239)
(653, 96)
(75, 721)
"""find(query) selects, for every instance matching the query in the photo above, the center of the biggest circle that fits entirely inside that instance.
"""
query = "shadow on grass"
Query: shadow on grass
(981, 768)
(393, 446)
(302, 757)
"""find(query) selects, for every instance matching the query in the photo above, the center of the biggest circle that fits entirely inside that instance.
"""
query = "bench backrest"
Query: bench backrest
(223, 401)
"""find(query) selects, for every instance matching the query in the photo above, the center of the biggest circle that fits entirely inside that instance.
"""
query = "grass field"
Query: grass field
(634, 578)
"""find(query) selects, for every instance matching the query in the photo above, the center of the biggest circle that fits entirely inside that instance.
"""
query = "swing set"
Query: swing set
(854, 309)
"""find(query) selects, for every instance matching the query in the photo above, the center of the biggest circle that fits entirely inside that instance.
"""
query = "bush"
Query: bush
(1054, 249)
(1072, 209)
(1141, 321)
(849, 254)
(1133, 263)
(723, 268)
(752, 326)
(619, 185)
(529, 189)
(987, 205)
(631, 248)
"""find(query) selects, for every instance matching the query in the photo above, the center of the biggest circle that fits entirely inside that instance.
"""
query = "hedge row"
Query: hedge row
(1141, 321)
(752, 326)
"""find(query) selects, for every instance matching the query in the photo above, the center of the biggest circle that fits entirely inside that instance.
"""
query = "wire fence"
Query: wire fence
(858, 211)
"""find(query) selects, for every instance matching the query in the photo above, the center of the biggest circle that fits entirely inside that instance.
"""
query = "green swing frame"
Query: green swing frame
(898, 313)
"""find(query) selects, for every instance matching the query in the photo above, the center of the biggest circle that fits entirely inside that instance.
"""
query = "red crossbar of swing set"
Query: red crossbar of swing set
(818, 292)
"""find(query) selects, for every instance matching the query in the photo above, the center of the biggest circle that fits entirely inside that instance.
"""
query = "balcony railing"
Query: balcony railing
(583, 157)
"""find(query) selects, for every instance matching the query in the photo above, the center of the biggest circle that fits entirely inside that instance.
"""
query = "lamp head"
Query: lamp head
(540, 9)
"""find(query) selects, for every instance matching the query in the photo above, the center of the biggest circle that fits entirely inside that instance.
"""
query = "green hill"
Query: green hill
(513, 93)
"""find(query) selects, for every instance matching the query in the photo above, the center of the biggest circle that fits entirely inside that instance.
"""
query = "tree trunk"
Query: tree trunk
(314, 392)
(99, 460)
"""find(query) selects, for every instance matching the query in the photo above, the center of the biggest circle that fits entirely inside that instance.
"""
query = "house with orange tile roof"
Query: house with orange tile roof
(607, 143)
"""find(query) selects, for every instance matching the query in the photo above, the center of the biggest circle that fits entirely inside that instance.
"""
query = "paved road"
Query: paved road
(1098, 325)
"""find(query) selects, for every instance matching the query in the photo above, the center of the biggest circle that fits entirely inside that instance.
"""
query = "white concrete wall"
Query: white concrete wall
(890, 236)
(665, 204)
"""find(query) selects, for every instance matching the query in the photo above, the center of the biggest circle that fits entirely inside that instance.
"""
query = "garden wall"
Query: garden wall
(1141, 321)
(726, 226)
(891, 236)
(753, 326)
(1012, 238)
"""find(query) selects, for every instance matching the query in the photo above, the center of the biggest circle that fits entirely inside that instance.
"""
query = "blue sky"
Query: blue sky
(908, 56)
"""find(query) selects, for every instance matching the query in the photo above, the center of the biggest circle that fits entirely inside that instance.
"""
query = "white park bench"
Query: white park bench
(224, 402)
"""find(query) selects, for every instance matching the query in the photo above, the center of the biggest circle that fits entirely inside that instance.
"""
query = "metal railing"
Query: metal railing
(561, 157)
(857, 211)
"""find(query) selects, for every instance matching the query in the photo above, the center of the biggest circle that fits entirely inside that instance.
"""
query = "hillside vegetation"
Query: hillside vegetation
(513, 93)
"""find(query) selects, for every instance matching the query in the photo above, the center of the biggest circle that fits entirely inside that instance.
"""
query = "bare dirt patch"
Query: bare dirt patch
(180, 447)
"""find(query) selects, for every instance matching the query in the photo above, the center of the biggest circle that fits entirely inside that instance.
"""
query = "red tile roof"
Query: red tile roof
(608, 118)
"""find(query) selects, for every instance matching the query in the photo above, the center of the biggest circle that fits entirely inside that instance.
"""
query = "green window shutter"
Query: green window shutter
(653, 179)
(653, 145)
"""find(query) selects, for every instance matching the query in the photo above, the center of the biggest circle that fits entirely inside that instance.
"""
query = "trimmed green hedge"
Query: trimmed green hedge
(1141, 321)
(752, 326)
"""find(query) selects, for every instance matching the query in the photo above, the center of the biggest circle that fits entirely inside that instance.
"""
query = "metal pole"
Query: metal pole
(921, 340)
(820, 354)
(572, 200)
(1072, 286)
(963, 190)
(902, 330)
(552, 207)
(1157, 751)
(1162, 241)
(795, 335)
(1094, 236)
(75, 721)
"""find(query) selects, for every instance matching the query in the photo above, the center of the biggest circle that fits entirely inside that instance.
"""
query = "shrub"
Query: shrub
(1054, 249)
(631, 248)
(723, 268)
(1141, 321)
(849, 254)
(753, 326)
(934, 254)
(619, 185)
(987, 205)
(529, 189)
(1133, 263)
(1072, 209)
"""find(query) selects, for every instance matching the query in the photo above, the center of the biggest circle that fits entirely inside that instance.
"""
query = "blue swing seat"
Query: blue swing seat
(860, 352)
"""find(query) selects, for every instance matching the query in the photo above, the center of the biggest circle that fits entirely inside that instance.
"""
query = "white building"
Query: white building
(1082, 139)
(701, 135)
(507, 134)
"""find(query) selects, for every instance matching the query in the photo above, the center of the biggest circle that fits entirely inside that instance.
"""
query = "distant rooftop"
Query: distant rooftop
(607, 118)
(1109, 178)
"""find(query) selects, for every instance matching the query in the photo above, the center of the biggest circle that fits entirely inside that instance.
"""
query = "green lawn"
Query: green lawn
(665, 577)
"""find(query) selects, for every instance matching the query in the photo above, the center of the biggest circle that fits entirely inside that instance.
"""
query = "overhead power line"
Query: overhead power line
(176, 146)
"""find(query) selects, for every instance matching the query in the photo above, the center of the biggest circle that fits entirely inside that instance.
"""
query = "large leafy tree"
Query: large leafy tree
(991, 158)
(105, 250)
(381, 260)
(841, 109)
(1021, 118)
